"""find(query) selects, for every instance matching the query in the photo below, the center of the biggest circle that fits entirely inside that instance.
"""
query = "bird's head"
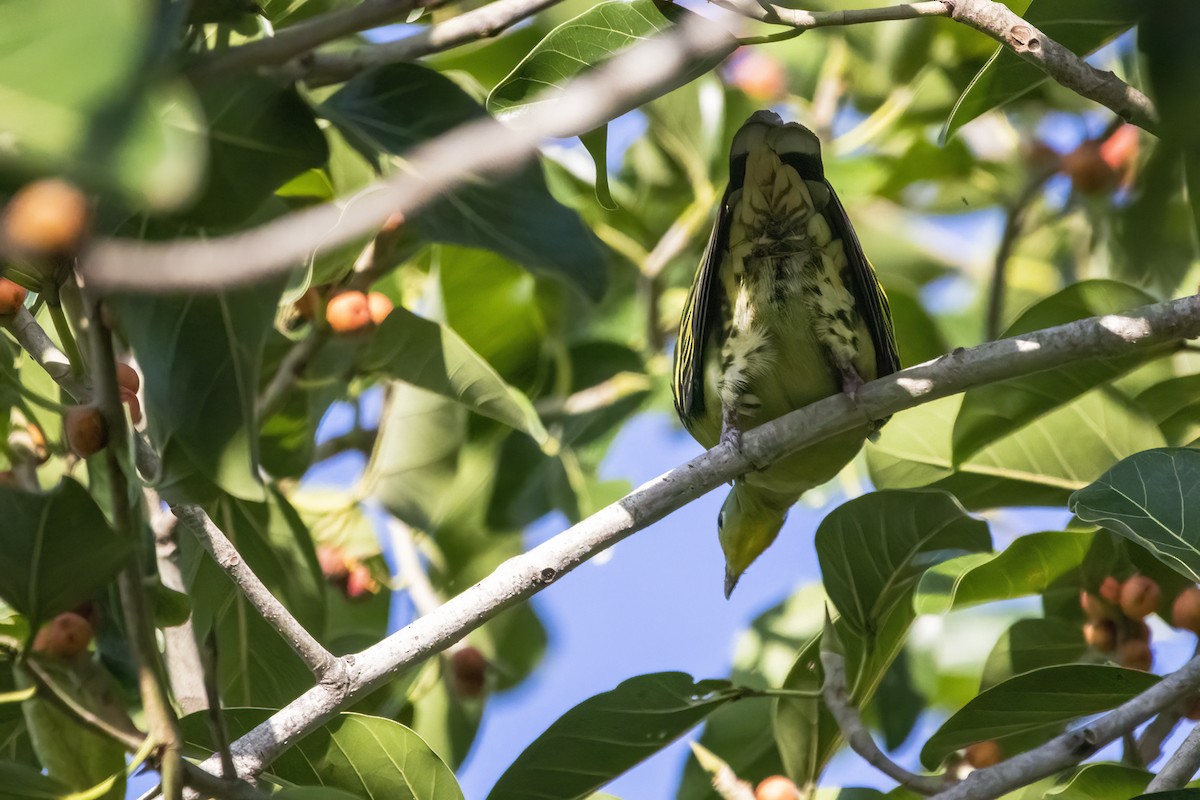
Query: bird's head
(746, 526)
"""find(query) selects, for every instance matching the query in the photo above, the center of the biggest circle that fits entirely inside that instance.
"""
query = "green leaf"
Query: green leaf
(361, 755)
(21, 782)
(1027, 566)
(873, 549)
(593, 37)
(314, 793)
(261, 134)
(1175, 406)
(433, 357)
(77, 103)
(1152, 499)
(200, 408)
(1082, 26)
(58, 549)
(1035, 465)
(393, 108)
(992, 412)
(256, 666)
(608, 734)
(1102, 782)
(1175, 794)
(596, 142)
(1034, 707)
(1031, 644)
(69, 752)
(917, 335)
(740, 734)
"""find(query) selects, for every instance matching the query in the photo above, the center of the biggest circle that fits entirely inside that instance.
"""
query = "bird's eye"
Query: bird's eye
(721, 519)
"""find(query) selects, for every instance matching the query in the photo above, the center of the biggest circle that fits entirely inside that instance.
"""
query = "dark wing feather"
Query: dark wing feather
(701, 313)
(868, 293)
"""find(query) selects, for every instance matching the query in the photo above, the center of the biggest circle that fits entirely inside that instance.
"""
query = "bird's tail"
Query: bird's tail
(749, 521)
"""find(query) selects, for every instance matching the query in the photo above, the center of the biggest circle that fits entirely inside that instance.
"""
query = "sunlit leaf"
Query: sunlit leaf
(991, 412)
(1033, 707)
(607, 734)
(1152, 499)
(1031, 644)
(1027, 566)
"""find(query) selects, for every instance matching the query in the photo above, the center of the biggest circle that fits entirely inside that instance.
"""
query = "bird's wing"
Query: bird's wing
(701, 313)
(868, 293)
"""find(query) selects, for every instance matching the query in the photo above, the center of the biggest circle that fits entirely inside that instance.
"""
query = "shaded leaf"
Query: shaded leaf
(261, 134)
(393, 108)
(1033, 707)
(873, 549)
(58, 549)
(1027, 566)
(1031, 644)
(992, 412)
(1175, 406)
(22, 782)
(1102, 782)
(363, 756)
(200, 409)
(1079, 25)
(740, 734)
(589, 39)
(607, 734)
(433, 357)
(1152, 499)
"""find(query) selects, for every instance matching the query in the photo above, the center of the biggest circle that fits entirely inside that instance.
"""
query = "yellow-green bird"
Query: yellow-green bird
(785, 310)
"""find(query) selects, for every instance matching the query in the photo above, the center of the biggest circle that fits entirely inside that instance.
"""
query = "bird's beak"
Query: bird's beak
(731, 581)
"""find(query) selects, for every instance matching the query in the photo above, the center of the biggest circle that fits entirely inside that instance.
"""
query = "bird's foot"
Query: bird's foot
(852, 383)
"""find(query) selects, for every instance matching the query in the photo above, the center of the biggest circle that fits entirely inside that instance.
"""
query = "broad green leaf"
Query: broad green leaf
(393, 108)
(433, 357)
(1080, 25)
(587, 40)
(1155, 238)
(1029, 565)
(256, 666)
(200, 355)
(22, 782)
(261, 134)
(58, 549)
(873, 549)
(991, 412)
(1033, 707)
(606, 735)
(1031, 644)
(1102, 782)
(69, 752)
(76, 104)
(1174, 794)
(1035, 465)
(354, 753)
(314, 793)
(1152, 499)
(1175, 406)
(917, 334)
(416, 454)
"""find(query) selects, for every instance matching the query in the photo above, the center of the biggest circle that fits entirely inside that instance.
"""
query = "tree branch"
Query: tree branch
(1180, 767)
(482, 147)
(302, 37)
(184, 668)
(525, 575)
(1072, 747)
(837, 699)
(1000, 23)
(321, 69)
(323, 664)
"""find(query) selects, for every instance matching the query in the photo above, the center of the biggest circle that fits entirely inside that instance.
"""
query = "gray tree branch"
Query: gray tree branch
(1181, 767)
(523, 576)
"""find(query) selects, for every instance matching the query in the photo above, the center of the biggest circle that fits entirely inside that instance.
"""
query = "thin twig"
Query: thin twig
(807, 20)
(294, 362)
(468, 152)
(321, 69)
(525, 575)
(837, 700)
(184, 668)
(323, 664)
(1158, 731)
(408, 562)
(1181, 767)
(1014, 220)
(302, 37)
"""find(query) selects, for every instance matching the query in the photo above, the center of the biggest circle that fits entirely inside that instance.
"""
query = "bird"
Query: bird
(784, 310)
